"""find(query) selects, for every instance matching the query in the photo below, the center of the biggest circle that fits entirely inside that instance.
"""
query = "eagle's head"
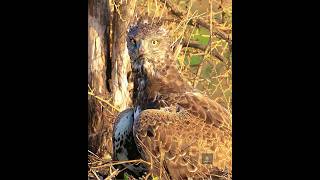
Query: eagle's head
(153, 65)
(148, 46)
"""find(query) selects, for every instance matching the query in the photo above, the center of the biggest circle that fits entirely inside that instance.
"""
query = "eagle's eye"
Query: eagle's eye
(154, 42)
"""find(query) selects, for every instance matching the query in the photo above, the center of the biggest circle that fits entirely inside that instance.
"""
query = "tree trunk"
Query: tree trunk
(99, 121)
(101, 69)
(123, 12)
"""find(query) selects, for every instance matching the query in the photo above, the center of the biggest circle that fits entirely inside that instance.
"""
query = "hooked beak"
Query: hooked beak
(141, 49)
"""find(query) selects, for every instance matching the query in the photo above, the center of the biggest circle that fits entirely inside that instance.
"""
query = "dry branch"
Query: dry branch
(195, 44)
(102, 100)
(197, 21)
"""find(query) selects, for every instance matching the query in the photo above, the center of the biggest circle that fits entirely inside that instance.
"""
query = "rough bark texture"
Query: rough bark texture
(100, 66)
(99, 121)
(123, 13)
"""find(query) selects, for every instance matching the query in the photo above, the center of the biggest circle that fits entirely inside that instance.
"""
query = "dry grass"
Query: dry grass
(200, 67)
(98, 167)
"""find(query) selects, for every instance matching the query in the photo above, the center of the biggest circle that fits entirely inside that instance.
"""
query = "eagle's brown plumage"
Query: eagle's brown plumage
(177, 141)
(183, 124)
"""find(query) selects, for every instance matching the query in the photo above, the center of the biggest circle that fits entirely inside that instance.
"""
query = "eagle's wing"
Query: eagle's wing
(200, 106)
(175, 143)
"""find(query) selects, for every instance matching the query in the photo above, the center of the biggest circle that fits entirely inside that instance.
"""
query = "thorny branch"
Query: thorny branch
(197, 21)
(197, 45)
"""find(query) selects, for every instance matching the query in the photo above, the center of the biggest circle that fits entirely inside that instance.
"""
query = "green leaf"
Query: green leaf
(126, 176)
(195, 60)
(201, 35)
(204, 31)
(201, 39)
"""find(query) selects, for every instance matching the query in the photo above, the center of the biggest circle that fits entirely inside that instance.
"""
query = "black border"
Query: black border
(44, 119)
(274, 90)
(44, 96)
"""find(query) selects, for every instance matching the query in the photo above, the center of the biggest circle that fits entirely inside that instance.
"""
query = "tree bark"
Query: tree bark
(123, 12)
(99, 121)
(101, 69)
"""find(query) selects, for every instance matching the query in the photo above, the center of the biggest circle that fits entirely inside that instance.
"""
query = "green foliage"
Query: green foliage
(201, 35)
(195, 60)
(126, 176)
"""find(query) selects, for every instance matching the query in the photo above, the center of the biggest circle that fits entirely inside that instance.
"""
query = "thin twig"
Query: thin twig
(195, 44)
(121, 162)
(112, 175)
(93, 154)
(95, 174)
(99, 98)
(197, 21)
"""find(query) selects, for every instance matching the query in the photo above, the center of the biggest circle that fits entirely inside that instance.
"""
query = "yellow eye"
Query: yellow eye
(154, 42)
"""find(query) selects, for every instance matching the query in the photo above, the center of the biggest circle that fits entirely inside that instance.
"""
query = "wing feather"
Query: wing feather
(199, 106)
(181, 143)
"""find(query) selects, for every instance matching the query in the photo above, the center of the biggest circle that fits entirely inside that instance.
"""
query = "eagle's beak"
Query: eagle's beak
(142, 48)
